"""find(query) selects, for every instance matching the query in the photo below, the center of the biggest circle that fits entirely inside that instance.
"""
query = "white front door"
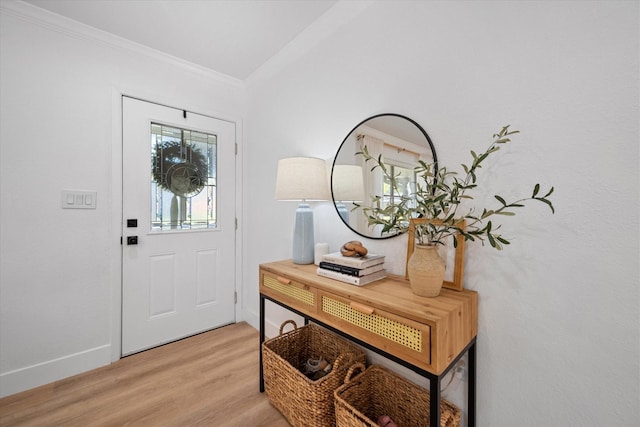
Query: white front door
(178, 221)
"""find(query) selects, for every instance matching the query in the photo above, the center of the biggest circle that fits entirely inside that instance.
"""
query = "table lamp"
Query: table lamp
(347, 185)
(302, 179)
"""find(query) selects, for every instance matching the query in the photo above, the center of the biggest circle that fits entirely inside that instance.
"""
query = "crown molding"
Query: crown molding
(71, 28)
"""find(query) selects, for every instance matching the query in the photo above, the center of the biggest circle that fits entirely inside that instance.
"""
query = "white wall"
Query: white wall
(559, 309)
(60, 120)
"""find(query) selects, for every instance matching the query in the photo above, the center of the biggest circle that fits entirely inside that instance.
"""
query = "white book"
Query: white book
(354, 280)
(357, 262)
(352, 271)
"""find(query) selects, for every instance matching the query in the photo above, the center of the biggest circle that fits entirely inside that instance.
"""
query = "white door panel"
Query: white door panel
(178, 279)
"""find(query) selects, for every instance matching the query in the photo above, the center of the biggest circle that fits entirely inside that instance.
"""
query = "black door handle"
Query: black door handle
(132, 240)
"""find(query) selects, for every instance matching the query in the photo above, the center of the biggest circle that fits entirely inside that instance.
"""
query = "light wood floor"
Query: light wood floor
(210, 379)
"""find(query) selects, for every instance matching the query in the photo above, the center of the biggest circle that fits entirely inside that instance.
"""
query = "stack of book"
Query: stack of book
(355, 270)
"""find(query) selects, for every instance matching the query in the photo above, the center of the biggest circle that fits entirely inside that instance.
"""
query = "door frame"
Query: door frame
(116, 228)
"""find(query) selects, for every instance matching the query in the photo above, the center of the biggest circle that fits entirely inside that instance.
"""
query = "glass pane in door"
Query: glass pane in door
(183, 179)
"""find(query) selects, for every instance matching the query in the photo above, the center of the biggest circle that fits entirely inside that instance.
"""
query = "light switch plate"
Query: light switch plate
(72, 199)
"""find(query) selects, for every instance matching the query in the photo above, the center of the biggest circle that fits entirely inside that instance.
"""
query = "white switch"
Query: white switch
(72, 199)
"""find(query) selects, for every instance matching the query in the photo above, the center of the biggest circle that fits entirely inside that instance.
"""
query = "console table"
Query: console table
(426, 335)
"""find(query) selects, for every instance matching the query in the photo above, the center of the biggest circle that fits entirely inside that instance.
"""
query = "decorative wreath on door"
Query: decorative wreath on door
(179, 168)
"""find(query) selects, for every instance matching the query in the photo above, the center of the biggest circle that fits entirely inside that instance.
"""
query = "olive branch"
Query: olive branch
(439, 195)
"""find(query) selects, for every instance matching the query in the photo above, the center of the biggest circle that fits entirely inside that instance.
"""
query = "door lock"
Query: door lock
(132, 240)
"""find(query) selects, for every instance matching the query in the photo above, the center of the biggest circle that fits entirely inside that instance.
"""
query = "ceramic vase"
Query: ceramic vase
(426, 271)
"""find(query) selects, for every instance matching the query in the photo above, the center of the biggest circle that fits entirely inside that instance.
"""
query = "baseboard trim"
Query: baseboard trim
(44, 373)
(271, 328)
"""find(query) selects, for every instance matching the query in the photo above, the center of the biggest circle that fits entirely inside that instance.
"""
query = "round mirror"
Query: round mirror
(401, 143)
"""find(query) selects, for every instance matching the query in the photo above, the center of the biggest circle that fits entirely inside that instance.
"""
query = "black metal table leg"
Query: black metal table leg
(434, 402)
(471, 391)
(261, 341)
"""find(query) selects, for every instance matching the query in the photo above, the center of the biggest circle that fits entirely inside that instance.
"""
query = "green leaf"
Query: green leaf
(501, 200)
(486, 213)
(492, 241)
(549, 193)
(536, 189)
(506, 213)
(548, 203)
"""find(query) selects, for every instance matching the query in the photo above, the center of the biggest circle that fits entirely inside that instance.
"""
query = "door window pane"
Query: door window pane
(183, 179)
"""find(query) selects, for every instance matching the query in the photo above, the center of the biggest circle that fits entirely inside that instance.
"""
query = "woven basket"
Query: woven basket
(302, 401)
(377, 391)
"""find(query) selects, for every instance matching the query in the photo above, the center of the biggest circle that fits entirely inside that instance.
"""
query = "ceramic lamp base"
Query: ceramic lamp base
(343, 212)
(303, 239)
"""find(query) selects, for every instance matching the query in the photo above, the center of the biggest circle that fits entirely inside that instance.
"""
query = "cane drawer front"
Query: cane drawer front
(394, 334)
(295, 294)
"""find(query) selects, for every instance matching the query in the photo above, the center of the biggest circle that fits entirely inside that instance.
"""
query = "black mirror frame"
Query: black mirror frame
(333, 165)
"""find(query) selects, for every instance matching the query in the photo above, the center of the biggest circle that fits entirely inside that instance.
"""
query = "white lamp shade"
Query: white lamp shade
(302, 178)
(347, 183)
